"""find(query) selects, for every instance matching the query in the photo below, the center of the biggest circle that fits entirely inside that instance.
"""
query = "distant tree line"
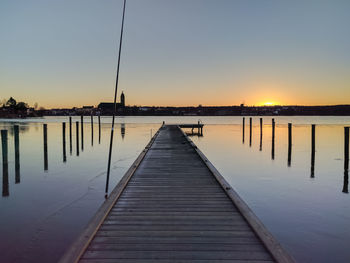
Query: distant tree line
(10, 108)
(12, 104)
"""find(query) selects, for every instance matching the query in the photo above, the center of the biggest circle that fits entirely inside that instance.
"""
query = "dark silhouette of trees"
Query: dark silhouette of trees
(11, 103)
(21, 106)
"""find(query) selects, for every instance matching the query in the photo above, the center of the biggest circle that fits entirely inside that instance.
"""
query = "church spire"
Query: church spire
(122, 99)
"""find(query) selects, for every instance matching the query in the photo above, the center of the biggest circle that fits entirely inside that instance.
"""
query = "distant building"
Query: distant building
(122, 99)
(108, 107)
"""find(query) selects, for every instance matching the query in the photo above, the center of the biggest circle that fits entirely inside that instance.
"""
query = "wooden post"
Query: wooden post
(313, 150)
(92, 130)
(46, 164)
(70, 135)
(82, 132)
(5, 175)
(122, 130)
(99, 128)
(77, 136)
(261, 133)
(273, 140)
(250, 131)
(243, 127)
(17, 163)
(346, 148)
(289, 144)
(346, 160)
(64, 141)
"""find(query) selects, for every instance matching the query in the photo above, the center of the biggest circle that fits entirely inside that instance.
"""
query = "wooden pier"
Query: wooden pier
(198, 126)
(172, 205)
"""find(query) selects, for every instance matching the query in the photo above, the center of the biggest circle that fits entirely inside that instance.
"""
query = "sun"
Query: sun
(269, 103)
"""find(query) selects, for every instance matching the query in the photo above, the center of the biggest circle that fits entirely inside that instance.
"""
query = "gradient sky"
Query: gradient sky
(176, 52)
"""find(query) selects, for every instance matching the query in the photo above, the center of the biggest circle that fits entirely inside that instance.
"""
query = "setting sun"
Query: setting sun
(268, 103)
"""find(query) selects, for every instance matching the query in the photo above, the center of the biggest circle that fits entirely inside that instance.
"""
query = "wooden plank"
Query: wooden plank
(117, 216)
(178, 247)
(106, 260)
(167, 222)
(243, 255)
(188, 213)
(274, 247)
(178, 227)
(171, 240)
(172, 208)
(80, 244)
(175, 209)
(175, 233)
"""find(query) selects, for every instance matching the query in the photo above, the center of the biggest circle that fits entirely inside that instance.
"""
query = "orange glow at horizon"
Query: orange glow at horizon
(269, 103)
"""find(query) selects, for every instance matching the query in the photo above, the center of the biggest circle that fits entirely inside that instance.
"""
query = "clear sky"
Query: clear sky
(63, 53)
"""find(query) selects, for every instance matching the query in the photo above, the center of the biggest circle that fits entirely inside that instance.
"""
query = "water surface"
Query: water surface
(45, 206)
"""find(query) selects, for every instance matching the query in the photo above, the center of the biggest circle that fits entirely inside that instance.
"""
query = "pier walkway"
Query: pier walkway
(173, 206)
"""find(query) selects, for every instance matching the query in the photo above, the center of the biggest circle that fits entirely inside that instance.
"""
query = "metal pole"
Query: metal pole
(115, 103)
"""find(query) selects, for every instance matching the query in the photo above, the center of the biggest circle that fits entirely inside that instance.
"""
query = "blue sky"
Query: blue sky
(176, 52)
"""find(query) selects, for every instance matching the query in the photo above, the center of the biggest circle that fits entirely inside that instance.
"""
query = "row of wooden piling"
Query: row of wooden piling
(313, 146)
(4, 146)
(77, 132)
(4, 143)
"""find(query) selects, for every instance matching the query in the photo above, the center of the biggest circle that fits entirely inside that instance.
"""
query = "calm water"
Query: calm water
(44, 207)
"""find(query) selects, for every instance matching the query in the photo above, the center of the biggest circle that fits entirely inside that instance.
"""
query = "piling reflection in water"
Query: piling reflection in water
(46, 164)
(289, 144)
(273, 140)
(5, 174)
(77, 136)
(64, 141)
(122, 130)
(346, 160)
(346, 182)
(313, 150)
